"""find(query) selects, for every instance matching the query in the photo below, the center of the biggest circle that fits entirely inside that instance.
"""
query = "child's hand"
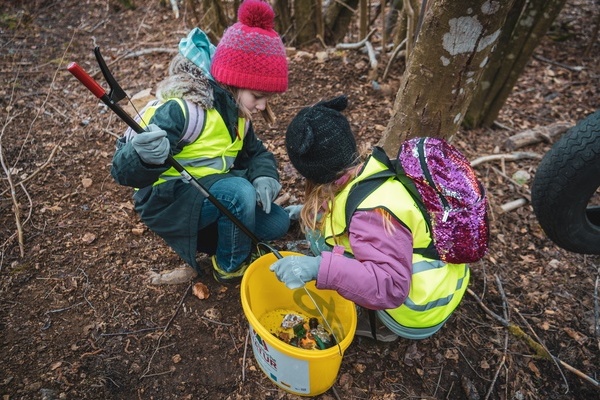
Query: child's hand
(295, 271)
(152, 146)
(294, 211)
(267, 189)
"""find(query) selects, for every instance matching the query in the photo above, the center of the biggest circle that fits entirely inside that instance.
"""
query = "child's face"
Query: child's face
(254, 101)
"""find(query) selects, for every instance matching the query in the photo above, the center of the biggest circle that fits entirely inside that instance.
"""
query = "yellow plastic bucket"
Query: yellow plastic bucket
(296, 370)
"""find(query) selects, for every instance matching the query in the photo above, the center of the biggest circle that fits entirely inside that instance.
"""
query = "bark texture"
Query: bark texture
(444, 69)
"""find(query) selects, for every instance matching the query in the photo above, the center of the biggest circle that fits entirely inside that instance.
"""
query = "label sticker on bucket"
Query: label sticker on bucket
(289, 373)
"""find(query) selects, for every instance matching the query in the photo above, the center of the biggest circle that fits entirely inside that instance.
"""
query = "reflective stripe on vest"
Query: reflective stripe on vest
(436, 287)
(208, 148)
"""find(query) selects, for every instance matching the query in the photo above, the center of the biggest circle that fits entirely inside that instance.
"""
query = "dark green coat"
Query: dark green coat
(172, 209)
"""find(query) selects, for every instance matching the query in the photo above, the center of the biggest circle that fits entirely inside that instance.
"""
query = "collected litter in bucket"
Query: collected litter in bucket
(293, 369)
(298, 330)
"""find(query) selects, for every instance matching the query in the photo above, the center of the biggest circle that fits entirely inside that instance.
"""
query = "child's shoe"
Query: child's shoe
(228, 277)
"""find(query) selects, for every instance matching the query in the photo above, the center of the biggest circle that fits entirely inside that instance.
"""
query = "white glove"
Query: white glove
(295, 271)
(152, 146)
(267, 189)
(294, 211)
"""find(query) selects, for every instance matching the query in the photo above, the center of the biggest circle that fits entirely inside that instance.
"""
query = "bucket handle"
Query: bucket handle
(324, 319)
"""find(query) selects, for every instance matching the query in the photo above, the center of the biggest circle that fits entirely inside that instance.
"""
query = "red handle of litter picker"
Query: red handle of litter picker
(87, 80)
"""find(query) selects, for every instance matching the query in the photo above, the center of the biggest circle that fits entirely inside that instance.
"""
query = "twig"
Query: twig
(513, 205)
(392, 58)
(372, 60)
(597, 309)
(356, 45)
(505, 312)
(554, 359)
(410, 27)
(215, 322)
(11, 185)
(133, 332)
(244, 357)
(175, 8)
(162, 334)
(24, 189)
(505, 157)
(437, 385)
(37, 171)
(558, 64)
(502, 362)
(149, 51)
(539, 350)
(87, 286)
(335, 393)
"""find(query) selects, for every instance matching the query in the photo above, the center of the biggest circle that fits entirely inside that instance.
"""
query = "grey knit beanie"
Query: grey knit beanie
(319, 141)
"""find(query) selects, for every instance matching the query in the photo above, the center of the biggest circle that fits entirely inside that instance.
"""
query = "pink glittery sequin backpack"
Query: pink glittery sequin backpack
(444, 186)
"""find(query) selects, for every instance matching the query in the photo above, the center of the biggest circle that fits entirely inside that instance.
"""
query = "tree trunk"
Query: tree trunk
(338, 16)
(214, 21)
(445, 66)
(304, 22)
(283, 19)
(526, 25)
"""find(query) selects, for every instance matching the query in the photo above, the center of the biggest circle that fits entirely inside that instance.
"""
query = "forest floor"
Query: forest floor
(79, 320)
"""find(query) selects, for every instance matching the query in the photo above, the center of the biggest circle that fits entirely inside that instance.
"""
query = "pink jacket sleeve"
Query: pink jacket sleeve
(379, 275)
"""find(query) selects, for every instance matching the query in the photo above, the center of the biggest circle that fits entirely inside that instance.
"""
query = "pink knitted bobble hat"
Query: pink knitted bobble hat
(251, 54)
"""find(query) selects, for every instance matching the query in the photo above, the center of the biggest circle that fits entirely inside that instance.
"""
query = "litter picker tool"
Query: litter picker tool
(113, 97)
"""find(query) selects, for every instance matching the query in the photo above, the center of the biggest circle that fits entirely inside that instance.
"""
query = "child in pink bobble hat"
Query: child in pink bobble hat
(203, 118)
(251, 55)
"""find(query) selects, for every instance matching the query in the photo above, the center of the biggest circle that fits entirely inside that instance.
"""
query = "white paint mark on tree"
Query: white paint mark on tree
(445, 61)
(490, 7)
(488, 40)
(463, 36)
(457, 118)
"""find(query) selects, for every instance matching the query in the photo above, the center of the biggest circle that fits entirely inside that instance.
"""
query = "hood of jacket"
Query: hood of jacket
(186, 81)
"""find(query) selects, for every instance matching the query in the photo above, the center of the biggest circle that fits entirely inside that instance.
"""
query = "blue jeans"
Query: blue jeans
(239, 197)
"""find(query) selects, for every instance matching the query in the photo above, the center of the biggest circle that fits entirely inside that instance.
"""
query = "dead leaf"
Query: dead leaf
(578, 337)
(360, 368)
(88, 238)
(451, 354)
(528, 258)
(534, 369)
(86, 182)
(200, 290)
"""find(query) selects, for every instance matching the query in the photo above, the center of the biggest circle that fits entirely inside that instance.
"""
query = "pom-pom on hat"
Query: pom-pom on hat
(251, 54)
(319, 141)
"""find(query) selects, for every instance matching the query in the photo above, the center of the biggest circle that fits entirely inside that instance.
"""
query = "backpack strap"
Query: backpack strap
(194, 124)
(360, 191)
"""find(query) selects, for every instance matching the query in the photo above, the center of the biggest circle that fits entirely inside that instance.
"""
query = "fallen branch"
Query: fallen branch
(175, 8)
(11, 185)
(357, 45)
(513, 205)
(558, 64)
(392, 58)
(536, 135)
